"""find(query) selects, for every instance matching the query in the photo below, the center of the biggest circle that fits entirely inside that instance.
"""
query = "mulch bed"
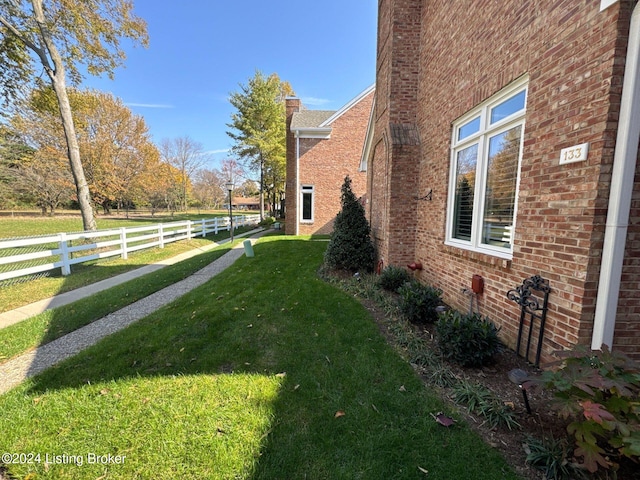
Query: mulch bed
(543, 422)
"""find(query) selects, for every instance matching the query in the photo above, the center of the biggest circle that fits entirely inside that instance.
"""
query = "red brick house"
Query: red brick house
(505, 145)
(323, 147)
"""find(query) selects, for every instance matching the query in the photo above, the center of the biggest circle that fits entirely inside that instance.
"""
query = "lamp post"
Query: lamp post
(230, 186)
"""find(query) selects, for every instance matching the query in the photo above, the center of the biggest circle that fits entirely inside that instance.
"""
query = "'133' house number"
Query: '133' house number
(577, 153)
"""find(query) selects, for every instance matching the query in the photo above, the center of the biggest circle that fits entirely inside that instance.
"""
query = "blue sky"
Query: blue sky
(200, 52)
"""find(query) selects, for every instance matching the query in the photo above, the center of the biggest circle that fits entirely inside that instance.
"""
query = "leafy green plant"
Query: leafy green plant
(442, 376)
(393, 277)
(418, 302)
(468, 340)
(350, 247)
(482, 401)
(553, 458)
(267, 222)
(598, 391)
(498, 414)
(472, 395)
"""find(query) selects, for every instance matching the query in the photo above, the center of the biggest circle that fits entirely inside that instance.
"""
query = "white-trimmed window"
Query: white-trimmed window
(306, 201)
(486, 149)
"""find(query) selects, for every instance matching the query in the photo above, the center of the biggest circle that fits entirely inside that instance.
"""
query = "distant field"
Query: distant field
(21, 224)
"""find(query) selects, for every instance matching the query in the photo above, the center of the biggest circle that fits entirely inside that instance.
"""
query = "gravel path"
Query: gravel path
(29, 364)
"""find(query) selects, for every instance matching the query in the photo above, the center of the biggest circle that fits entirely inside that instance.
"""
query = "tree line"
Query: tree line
(61, 144)
(123, 168)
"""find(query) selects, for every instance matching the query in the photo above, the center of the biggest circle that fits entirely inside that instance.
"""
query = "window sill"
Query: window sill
(489, 258)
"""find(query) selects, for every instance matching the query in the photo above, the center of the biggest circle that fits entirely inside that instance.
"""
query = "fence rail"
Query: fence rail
(35, 255)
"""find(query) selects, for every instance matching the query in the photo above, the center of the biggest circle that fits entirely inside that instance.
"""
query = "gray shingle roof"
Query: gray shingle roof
(310, 118)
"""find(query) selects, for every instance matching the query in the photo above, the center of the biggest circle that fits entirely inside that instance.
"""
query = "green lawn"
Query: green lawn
(51, 324)
(21, 293)
(265, 372)
(24, 226)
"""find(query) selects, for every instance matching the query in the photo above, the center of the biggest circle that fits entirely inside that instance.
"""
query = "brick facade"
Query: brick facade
(325, 162)
(438, 60)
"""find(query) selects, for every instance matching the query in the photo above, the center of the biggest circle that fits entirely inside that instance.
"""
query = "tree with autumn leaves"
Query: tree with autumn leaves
(123, 167)
(64, 38)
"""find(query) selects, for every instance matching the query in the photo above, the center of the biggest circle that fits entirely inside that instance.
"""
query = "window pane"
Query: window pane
(469, 128)
(500, 191)
(508, 107)
(466, 161)
(306, 206)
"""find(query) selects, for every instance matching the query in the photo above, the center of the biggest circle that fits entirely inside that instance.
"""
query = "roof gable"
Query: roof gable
(347, 107)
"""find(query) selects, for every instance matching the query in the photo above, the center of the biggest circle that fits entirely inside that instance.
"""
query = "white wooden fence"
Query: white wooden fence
(34, 255)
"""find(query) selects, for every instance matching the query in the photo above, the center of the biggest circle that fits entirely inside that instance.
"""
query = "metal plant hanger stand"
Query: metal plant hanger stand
(533, 298)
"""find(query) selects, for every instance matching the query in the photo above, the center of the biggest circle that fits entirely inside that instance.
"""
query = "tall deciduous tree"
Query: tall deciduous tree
(258, 128)
(62, 36)
(113, 142)
(43, 180)
(187, 156)
(208, 188)
(13, 153)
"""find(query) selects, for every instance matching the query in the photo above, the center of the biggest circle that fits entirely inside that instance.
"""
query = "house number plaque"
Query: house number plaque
(577, 153)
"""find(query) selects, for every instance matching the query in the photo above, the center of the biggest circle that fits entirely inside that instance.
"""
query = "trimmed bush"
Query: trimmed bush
(418, 302)
(267, 222)
(350, 247)
(468, 340)
(392, 278)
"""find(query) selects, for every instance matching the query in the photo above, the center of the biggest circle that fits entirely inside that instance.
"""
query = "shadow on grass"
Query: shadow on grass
(339, 402)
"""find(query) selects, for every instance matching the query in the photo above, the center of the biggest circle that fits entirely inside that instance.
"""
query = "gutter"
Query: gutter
(298, 206)
(622, 182)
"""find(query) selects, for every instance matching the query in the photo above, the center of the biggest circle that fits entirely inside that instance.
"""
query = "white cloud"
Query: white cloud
(148, 105)
(315, 101)
(222, 150)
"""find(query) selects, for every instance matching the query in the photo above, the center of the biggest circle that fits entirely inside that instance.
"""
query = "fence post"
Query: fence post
(189, 229)
(64, 253)
(215, 225)
(123, 242)
(160, 236)
(204, 228)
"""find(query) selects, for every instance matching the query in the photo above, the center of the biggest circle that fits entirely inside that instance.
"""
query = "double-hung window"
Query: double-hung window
(486, 149)
(306, 200)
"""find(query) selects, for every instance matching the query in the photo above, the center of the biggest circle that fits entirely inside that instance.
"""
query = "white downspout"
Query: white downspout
(622, 179)
(298, 216)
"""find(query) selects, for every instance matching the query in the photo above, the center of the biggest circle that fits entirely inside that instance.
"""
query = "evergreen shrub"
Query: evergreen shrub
(418, 302)
(392, 278)
(467, 339)
(350, 246)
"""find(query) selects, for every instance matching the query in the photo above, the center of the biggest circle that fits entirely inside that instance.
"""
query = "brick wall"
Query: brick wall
(467, 52)
(324, 164)
(393, 169)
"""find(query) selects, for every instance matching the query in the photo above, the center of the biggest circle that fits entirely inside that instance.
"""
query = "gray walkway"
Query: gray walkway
(29, 364)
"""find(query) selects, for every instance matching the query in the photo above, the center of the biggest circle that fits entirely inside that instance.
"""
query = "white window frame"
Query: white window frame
(481, 138)
(307, 189)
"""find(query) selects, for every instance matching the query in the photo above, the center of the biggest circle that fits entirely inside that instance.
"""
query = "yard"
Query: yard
(266, 371)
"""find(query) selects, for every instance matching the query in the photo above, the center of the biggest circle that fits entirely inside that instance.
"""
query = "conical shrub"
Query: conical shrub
(350, 247)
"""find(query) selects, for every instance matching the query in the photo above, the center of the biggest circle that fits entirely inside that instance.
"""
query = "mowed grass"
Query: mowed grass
(31, 290)
(51, 324)
(265, 372)
(25, 226)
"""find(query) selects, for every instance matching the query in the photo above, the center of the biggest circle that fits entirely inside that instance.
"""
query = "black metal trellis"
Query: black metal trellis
(534, 307)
